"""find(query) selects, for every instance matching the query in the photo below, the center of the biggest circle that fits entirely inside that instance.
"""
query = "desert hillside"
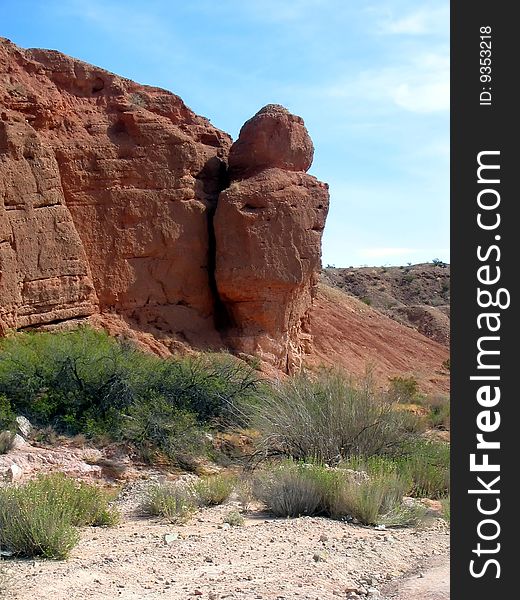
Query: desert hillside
(357, 337)
(414, 295)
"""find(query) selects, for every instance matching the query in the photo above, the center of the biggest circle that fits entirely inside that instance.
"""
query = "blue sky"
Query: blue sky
(370, 78)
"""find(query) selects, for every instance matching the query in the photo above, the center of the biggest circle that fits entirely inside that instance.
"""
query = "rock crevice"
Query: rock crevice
(116, 200)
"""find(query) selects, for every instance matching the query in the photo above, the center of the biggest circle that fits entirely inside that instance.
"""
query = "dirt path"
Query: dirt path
(431, 583)
(270, 559)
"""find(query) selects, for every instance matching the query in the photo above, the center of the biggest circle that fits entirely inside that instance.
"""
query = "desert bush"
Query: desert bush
(234, 518)
(403, 389)
(244, 492)
(155, 426)
(7, 415)
(293, 489)
(39, 518)
(83, 381)
(174, 502)
(214, 489)
(328, 417)
(439, 413)
(426, 463)
(6, 441)
(370, 500)
(404, 515)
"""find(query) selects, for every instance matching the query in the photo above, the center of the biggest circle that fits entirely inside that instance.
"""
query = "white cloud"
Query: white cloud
(424, 21)
(421, 85)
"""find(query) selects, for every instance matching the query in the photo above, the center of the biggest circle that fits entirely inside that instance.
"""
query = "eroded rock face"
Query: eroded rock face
(107, 196)
(107, 191)
(272, 138)
(268, 229)
(44, 272)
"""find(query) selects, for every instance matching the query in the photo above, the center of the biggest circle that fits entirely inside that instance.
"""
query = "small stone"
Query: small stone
(324, 537)
(197, 593)
(169, 538)
(372, 592)
(14, 472)
(208, 559)
(317, 557)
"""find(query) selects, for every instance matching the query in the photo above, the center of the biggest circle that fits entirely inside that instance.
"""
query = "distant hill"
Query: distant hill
(416, 295)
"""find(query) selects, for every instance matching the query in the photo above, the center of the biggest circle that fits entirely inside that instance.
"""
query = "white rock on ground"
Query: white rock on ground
(24, 426)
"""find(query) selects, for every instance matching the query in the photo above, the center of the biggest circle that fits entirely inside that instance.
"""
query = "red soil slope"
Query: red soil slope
(349, 334)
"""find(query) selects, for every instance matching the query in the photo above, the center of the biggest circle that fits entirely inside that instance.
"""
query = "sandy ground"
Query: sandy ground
(266, 558)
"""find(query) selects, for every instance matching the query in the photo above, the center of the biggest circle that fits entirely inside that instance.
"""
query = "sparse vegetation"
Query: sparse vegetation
(214, 490)
(329, 417)
(234, 518)
(7, 415)
(292, 489)
(174, 502)
(6, 441)
(446, 508)
(371, 500)
(403, 389)
(439, 412)
(39, 518)
(423, 464)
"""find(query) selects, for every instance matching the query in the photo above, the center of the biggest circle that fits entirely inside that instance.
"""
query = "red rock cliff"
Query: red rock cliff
(107, 195)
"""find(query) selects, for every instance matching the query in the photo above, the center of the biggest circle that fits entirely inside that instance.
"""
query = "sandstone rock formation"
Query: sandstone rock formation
(268, 229)
(107, 194)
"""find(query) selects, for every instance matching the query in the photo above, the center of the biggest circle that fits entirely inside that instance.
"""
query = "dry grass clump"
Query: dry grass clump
(292, 489)
(178, 501)
(234, 518)
(39, 518)
(214, 489)
(328, 417)
(173, 502)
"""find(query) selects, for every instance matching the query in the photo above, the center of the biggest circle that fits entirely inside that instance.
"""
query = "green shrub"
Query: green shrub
(174, 502)
(214, 489)
(7, 415)
(6, 441)
(155, 426)
(83, 381)
(234, 518)
(439, 412)
(329, 417)
(294, 489)
(403, 389)
(39, 518)
(423, 464)
(427, 464)
(368, 501)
